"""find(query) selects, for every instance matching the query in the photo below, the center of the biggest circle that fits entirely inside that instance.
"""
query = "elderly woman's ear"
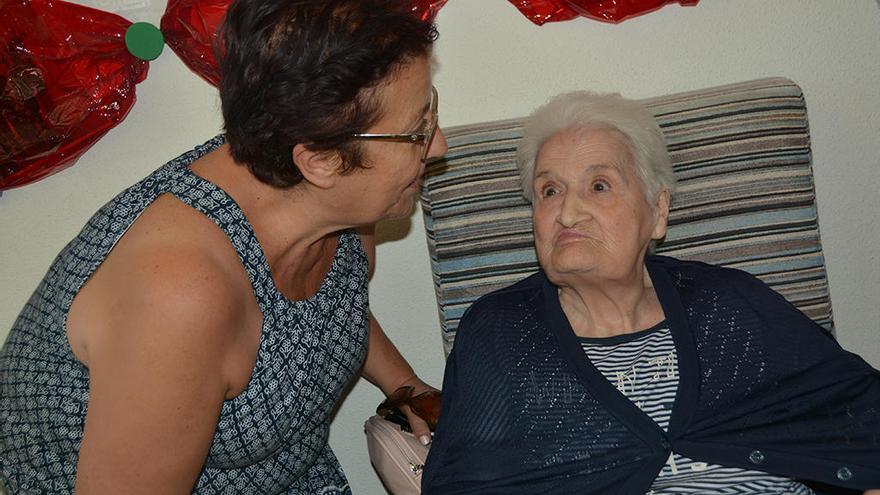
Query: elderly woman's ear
(661, 214)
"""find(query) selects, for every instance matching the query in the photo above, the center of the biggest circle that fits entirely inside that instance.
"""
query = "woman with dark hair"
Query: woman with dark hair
(199, 331)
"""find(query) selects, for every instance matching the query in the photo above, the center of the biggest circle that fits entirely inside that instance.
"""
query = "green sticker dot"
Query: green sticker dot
(144, 41)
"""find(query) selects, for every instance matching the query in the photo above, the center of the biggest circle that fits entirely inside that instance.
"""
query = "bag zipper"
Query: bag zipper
(407, 451)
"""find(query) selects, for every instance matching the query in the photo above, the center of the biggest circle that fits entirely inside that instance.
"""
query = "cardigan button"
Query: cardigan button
(844, 474)
(756, 457)
(665, 444)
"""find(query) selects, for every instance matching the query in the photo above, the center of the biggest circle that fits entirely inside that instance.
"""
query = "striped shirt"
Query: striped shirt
(644, 367)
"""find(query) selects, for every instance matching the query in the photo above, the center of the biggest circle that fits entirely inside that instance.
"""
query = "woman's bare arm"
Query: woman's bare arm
(157, 375)
(385, 367)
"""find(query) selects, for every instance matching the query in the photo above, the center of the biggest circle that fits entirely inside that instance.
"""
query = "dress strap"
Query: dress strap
(213, 202)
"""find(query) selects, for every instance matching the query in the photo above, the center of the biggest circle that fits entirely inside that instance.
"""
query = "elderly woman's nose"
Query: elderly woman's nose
(572, 211)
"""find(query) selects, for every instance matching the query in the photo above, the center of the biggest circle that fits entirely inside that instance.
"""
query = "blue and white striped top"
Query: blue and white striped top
(644, 367)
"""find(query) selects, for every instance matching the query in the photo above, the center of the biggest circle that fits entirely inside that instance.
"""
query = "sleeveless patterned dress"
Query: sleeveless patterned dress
(271, 438)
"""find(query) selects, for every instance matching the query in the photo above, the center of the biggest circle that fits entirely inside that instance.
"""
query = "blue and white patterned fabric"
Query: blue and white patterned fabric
(271, 438)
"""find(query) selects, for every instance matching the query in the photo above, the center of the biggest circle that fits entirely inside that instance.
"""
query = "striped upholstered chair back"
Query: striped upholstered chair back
(745, 198)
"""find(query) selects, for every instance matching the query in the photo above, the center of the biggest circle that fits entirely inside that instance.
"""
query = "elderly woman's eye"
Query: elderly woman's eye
(600, 186)
(548, 191)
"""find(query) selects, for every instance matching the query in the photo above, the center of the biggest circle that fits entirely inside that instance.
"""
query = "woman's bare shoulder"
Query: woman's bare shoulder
(173, 278)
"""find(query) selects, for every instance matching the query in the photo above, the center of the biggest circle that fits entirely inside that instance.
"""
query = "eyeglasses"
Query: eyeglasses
(424, 138)
(426, 406)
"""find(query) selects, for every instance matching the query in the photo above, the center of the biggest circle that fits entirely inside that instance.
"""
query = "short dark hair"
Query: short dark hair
(304, 72)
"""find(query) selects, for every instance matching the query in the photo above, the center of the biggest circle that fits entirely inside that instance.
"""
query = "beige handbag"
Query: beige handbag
(398, 456)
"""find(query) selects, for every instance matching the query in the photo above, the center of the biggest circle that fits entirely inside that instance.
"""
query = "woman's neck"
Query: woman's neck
(292, 225)
(604, 308)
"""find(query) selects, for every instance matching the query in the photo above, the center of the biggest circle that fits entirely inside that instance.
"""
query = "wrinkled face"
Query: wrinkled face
(388, 186)
(592, 221)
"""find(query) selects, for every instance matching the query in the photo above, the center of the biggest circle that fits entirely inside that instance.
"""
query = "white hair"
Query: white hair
(588, 110)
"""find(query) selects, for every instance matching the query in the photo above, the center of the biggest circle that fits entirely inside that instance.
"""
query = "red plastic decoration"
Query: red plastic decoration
(66, 79)
(426, 10)
(613, 11)
(190, 27)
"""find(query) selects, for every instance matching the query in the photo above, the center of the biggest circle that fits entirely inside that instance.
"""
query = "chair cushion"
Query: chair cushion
(745, 198)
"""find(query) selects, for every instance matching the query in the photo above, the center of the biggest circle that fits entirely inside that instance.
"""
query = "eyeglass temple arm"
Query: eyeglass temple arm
(391, 137)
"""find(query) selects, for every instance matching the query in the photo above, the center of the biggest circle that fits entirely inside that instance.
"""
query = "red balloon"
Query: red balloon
(614, 11)
(66, 79)
(190, 29)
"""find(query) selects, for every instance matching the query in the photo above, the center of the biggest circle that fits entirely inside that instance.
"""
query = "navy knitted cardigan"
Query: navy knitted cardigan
(761, 387)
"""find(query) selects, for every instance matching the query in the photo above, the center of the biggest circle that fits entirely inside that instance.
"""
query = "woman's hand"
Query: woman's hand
(419, 426)
(388, 370)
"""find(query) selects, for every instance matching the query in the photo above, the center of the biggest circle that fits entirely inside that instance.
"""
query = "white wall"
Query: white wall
(496, 64)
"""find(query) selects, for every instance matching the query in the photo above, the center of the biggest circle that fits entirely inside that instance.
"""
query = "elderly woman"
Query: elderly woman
(614, 371)
(198, 333)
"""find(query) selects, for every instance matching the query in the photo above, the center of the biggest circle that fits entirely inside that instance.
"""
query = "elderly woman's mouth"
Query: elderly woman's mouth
(570, 235)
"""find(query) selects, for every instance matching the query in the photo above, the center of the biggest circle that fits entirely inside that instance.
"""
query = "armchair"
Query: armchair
(746, 199)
